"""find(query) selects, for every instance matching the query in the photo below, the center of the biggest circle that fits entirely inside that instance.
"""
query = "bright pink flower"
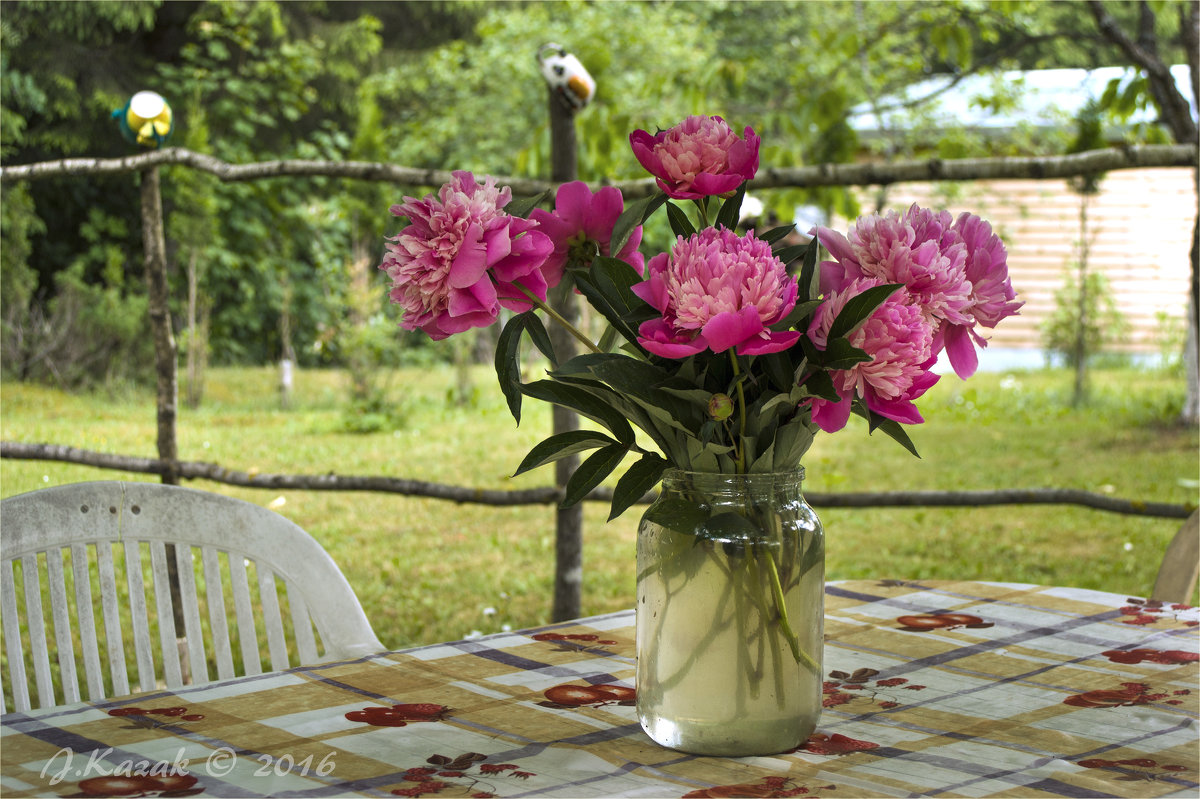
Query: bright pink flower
(715, 291)
(462, 258)
(581, 227)
(900, 343)
(699, 157)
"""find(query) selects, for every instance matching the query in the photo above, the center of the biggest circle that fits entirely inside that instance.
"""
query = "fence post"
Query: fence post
(165, 367)
(568, 529)
(160, 321)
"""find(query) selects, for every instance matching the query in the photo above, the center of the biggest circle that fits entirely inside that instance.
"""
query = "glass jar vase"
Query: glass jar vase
(730, 610)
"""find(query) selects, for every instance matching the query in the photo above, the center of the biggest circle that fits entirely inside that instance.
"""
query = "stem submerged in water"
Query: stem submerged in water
(785, 624)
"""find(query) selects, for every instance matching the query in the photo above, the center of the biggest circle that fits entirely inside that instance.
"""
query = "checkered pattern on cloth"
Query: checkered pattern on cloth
(932, 689)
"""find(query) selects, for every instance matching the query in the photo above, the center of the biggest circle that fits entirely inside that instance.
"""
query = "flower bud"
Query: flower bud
(720, 407)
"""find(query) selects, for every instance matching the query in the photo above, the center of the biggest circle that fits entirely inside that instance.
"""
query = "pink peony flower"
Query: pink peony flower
(581, 227)
(699, 157)
(992, 297)
(916, 249)
(900, 343)
(956, 272)
(462, 258)
(716, 290)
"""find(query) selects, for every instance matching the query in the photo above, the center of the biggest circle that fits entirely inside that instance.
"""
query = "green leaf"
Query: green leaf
(776, 234)
(779, 370)
(607, 287)
(810, 275)
(562, 445)
(591, 473)
(539, 336)
(731, 210)
(731, 526)
(584, 402)
(678, 515)
(792, 441)
(635, 213)
(523, 206)
(889, 426)
(790, 254)
(639, 478)
(860, 307)
(508, 364)
(841, 354)
(819, 384)
(680, 224)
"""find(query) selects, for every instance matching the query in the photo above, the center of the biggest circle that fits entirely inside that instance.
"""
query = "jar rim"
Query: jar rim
(676, 472)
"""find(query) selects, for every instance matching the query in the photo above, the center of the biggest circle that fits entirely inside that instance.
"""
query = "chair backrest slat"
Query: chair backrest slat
(12, 640)
(36, 622)
(218, 622)
(192, 632)
(247, 634)
(306, 645)
(139, 618)
(110, 605)
(272, 618)
(127, 540)
(60, 610)
(169, 647)
(85, 610)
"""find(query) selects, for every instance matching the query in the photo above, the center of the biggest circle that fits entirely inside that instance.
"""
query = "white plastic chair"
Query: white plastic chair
(106, 528)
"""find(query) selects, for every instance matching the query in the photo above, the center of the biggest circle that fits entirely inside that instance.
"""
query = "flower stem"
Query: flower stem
(741, 447)
(557, 317)
(793, 641)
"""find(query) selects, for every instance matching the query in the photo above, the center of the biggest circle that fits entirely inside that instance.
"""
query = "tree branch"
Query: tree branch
(191, 470)
(1173, 105)
(1031, 167)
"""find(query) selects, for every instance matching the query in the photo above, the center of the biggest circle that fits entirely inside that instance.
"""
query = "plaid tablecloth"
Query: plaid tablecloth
(932, 689)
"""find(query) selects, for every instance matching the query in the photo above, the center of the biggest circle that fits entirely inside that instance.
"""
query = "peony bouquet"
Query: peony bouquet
(729, 352)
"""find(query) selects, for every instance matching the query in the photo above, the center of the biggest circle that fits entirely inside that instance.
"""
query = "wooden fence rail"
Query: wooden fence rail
(194, 470)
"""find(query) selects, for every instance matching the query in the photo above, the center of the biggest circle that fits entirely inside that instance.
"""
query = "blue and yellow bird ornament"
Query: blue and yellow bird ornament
(146, 120)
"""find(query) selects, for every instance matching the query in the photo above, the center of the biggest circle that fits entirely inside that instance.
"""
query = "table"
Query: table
(932, 689)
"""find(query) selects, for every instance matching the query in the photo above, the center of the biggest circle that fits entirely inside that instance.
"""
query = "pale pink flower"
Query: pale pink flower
(699, 157)
(916, 249)
(900, 343)
(581, 227)
(716, 290)
(462, 258)
(992, 297)
(955, 271)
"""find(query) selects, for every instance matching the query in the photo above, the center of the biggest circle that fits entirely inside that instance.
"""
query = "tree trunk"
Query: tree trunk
(1081, 322)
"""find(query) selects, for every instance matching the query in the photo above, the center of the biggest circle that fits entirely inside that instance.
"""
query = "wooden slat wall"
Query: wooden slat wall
(1140, 227)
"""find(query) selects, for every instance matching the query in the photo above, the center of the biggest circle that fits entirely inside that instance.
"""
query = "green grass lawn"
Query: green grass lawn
(431, 570)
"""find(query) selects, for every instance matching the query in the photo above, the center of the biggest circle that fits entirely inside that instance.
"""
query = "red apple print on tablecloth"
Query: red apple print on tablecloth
(149, 718)
(842, 688)
(1138, 769)
(1151, 611)
(148, 785)
(836, 744)
(1129, 694)
(570, 696)
(766, 787)
(576, 642)
(940, 621)
(398, 715)
(1166, 657)
(453, 774)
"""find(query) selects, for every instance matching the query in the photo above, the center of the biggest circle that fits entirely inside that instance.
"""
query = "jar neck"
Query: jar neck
(757, 484)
